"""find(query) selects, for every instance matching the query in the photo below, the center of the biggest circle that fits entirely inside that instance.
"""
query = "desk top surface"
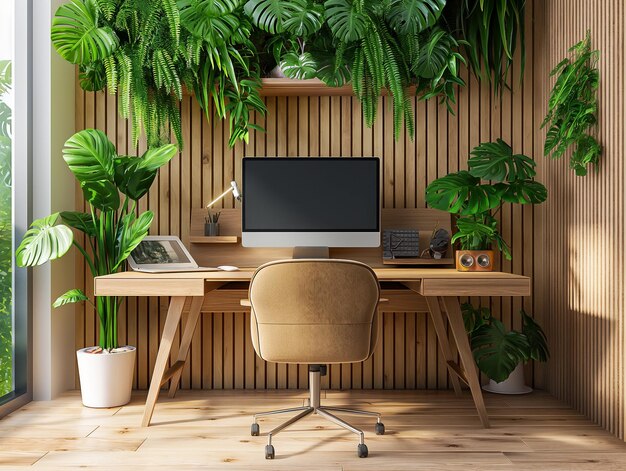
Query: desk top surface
(426, 281)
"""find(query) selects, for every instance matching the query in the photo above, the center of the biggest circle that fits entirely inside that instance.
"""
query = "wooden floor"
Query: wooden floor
(210, 430)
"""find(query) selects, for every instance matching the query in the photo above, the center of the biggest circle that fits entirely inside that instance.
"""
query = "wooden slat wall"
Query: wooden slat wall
(408, 356)
(583, 226)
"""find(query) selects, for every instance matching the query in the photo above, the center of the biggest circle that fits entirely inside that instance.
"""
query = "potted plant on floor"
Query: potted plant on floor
(500, 354)
(112, 230)
(495, 176)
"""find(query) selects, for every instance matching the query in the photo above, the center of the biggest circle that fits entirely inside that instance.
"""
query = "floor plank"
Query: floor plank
(210, 429)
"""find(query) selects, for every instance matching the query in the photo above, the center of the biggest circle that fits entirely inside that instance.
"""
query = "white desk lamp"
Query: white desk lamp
(211, 227)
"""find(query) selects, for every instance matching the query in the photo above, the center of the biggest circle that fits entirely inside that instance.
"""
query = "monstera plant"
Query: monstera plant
(495, 176)
(497, 351)
(111, 227)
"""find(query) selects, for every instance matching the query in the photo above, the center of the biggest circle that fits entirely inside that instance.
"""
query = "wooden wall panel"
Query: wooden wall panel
(582, 225)
(407, 356)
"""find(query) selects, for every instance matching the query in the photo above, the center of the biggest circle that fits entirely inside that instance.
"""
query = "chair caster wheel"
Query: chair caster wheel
(362, 450)
(254, 430)
(269, 452)
(380, 428)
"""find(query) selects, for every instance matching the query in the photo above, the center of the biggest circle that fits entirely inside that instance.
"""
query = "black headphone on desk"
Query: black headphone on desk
(439, 243)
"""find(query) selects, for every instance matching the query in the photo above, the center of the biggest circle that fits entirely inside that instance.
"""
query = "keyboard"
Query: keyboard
(401, 243)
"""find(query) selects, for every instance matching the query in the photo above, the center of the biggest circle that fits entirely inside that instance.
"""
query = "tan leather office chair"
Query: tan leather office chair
(314, 311)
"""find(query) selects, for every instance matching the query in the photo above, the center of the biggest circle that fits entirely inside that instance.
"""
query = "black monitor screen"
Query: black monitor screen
(310, 194)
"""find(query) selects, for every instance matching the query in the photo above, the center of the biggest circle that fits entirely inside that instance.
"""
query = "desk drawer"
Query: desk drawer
(227, 300)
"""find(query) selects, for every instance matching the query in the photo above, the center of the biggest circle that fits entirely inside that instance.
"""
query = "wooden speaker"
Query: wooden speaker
(474, 260)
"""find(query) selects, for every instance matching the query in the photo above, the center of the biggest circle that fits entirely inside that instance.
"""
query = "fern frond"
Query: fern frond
(125, 81)
(110, 67)
(138, 118)
(374, 59)
(173, 116)
(107, 7)
(358, 73)
(172, 14)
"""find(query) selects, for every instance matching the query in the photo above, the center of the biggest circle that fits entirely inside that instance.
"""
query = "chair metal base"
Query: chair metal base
(314, 407)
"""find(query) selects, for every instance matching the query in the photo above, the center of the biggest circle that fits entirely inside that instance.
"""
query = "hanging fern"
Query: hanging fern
(573, 108)
(130, 47)
(385, 43)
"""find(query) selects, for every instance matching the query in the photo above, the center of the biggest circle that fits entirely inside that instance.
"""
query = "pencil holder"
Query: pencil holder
(211, 229)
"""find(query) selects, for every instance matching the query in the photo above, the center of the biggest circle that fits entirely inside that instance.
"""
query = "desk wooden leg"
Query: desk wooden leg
(171, 325)
(455, 318)
(442, 336)
(185, 342)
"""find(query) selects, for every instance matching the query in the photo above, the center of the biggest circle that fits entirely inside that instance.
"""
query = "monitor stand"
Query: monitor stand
(310, 252)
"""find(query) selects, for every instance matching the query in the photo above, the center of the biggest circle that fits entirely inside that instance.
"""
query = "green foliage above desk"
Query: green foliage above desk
(146, 51)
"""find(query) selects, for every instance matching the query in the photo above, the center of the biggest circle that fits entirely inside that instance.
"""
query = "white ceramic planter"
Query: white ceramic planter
(106, 379)
(514, 384)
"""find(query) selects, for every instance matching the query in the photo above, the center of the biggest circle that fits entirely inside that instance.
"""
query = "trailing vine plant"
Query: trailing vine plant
(573, 108)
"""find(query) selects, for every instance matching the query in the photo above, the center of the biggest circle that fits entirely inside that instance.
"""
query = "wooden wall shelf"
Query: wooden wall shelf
(213, 239)
(311, 87)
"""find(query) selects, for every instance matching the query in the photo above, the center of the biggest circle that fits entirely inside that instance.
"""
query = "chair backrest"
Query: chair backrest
(316, 311)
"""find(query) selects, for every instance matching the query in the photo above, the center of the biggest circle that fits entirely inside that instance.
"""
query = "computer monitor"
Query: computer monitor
(311, 202)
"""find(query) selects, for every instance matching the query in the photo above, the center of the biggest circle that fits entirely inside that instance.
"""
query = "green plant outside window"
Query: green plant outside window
(6, 233)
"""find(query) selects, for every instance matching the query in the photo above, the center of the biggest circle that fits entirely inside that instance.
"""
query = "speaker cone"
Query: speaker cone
(483, 260)
(466, 260)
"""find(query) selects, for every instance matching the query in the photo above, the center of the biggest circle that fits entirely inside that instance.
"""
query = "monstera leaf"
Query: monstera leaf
(523, 192)
(537, 342)
(496, 161)
(496, 351)
(298, 66)
(305, 22)
(333, 62)
(72, 296)
(435, 54)
(474, 317)
(211, 20)
(346, 19)
(272, 15)
(43, 242)
(92, 77)
(414, 16)
(461, 193)
(76, 35)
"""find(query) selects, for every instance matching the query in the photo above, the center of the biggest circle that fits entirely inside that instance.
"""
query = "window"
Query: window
(14, 195)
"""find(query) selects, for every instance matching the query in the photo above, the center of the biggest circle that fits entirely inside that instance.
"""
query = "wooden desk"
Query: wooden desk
(432, 289)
